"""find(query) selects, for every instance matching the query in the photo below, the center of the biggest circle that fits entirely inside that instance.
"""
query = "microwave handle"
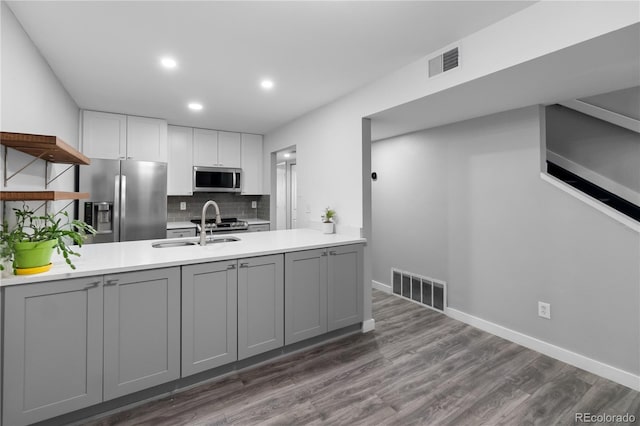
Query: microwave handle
(236, 180)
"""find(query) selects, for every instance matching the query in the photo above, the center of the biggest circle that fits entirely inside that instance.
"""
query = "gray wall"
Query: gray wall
(231, 205)
(604, 148)
(510, 239)
(409, 195)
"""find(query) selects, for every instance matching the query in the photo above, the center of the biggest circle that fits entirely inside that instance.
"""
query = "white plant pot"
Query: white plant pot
(327, 227)
(8, 269)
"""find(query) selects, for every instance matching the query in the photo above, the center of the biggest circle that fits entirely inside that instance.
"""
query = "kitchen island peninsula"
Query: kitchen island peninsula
(134, 322)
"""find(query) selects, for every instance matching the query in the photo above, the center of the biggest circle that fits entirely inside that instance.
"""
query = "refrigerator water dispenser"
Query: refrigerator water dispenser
(99, 215)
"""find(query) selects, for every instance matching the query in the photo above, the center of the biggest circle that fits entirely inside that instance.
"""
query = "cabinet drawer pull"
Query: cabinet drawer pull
(324, 253)
(244, 265)
(332, 253)
(93, 284)
(111, 282)
(231, 267)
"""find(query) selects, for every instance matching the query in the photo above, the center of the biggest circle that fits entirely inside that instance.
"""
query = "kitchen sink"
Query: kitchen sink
(194, 242)
(167, 244)
(222, 239)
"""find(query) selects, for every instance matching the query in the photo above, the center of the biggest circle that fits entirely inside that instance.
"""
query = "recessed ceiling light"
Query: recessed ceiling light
(266, 84)
(168, 62)
(287, 155)
(195, 106)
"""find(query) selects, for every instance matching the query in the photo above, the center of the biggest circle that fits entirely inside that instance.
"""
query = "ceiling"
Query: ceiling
(107, 53)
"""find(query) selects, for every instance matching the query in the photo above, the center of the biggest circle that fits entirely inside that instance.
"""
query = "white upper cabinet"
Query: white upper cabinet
(251, 163)
(228, 149)
(117, 136)
(146, 139)
(179, 164)
(104, 135)
(205, 147)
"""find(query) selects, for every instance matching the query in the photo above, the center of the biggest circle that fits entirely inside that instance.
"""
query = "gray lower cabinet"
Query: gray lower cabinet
(141, 330)
(345, 286)
(323, 291)
(260, 305)
(305, 295)
(52, 349)
(209, 316)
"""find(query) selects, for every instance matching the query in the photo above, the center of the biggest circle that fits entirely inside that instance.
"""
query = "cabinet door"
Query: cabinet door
(209, 316)
(205, 147)
(141, 330)
(260, 305)
(345, 286)
(305, 302)
(52, 349)
(251, 163)
(229, 149)
(104, 135)
(146, 139)
(180, 161)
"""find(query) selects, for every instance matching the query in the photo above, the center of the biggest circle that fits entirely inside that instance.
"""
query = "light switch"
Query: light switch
(183, 205)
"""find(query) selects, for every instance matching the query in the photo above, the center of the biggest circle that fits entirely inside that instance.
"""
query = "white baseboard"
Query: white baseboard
(382, 287)
(368, 325)
(596, 367)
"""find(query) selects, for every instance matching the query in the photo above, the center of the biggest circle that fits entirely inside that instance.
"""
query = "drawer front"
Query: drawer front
(259, 228)
(181, 233)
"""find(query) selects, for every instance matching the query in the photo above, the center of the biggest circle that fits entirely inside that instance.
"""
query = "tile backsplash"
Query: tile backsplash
(231, 205)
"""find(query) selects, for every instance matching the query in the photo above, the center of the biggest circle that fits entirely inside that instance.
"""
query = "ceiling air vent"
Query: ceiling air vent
(444, 62)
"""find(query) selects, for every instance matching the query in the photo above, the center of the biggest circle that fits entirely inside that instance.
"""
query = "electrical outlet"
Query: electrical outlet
(183, 205)
(254, 204)
(544, 310)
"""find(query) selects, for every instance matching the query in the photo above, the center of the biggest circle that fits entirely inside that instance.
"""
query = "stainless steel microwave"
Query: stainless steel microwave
(216, 179)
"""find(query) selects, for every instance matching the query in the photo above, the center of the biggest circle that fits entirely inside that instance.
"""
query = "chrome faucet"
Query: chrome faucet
(203, 232)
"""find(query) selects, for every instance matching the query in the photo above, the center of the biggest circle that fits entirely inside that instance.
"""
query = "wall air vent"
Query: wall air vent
(443, 62)
(426, 291)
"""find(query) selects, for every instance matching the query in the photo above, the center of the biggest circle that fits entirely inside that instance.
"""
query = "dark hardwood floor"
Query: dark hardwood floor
(418, 367)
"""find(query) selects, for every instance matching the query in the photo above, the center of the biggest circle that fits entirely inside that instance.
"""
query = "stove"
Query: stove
(228, 224)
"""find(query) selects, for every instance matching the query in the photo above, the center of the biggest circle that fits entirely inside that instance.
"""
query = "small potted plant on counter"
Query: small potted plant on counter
(29, 244)
(327, 221)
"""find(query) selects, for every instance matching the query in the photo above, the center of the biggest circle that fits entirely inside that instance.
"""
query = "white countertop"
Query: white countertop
(99, 259)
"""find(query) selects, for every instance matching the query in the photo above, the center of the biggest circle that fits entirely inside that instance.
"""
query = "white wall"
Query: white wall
(510, 239)
(33, 101)
(329, 139)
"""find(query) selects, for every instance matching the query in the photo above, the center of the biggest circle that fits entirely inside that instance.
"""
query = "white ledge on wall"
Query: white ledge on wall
(601, 207)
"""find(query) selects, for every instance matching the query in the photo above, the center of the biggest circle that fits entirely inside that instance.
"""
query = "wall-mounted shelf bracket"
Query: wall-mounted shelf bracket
(7, 178)
(48, 181)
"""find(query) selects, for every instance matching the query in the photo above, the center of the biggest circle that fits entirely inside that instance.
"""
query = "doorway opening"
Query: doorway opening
(286, 209)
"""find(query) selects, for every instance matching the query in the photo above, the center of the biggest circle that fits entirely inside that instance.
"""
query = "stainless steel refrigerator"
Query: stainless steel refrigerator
(127, 199)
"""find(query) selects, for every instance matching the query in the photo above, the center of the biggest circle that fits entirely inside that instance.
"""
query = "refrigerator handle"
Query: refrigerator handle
(123, 206)
(116, 209)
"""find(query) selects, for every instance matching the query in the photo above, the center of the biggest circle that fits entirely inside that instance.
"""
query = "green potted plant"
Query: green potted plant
(30, 243)
(327, 221)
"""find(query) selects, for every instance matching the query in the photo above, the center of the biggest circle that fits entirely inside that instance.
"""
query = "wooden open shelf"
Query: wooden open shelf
(41, 195)
(49, 148)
